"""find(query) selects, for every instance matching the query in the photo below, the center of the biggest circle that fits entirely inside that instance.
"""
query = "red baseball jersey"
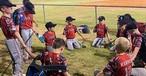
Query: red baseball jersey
(70, 31)
(51, 58)
(27, 22)
(120, 65)
(100, 30)
(8, 27)
(136, 42)
(49, 37)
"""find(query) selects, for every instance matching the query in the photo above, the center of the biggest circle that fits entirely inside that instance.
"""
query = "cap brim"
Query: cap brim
(70, 20)
(31, 11)
(11, 5)
(54, 25)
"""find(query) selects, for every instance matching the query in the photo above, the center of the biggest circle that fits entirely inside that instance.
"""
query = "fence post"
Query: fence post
(44, 13)
(96, 14)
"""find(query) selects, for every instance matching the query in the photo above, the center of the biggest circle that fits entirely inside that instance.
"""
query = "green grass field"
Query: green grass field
(81, 62)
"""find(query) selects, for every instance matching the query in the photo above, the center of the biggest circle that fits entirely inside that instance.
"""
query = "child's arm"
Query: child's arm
(91, 34)
(81, 35)
(64, 34)
(33, 20)
(66, 74)
(20, 39)
(94, 31)
(100, 74)
(107, 35)
(135, 52)
(31, 54)
(23, 44)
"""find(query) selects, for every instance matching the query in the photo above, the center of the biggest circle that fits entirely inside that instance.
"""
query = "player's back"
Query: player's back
(124, 65)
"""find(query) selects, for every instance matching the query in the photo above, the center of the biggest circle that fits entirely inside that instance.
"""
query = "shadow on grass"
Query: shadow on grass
(5, 61)
(78, 74)
(2, 42)
(108, 57)
(38, 49)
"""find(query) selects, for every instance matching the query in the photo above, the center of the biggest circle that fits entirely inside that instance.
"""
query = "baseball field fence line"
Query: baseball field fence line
(88, 13)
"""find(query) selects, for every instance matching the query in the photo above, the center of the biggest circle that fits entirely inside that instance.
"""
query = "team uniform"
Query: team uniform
(120, 65)
(51, 58)
(49, 38)
(70, 31)
(136, 41)
(26, 31)
(18, 18)
(100, 30)
(12, 44)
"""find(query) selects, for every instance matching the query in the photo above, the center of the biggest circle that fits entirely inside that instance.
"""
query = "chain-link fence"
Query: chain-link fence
(87, 14)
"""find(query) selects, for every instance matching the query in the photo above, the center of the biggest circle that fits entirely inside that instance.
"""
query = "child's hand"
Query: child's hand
(86, 38)
(110, 40)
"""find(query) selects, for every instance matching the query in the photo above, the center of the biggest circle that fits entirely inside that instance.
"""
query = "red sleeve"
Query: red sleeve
(95, 30)
(75, 28)
(138, 41)
(44, 35)
(111, 66)
(106, 29)
(64, 31)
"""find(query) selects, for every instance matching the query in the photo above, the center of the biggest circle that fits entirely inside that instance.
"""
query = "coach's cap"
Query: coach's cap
(69, 18)
(101, 18)
(6, 3)
(30, 7)
(50, 24)
(122, 22)
(131, 26)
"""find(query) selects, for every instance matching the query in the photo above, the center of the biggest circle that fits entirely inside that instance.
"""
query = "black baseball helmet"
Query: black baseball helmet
(30, 7)
(69, 18)
(100, 18)
(50, 24)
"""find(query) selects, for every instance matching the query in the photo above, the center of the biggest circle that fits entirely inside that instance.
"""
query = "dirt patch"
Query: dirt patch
(118, 3)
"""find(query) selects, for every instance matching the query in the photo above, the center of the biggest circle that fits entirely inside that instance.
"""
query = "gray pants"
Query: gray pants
(138, 72)
(49, 48)
(26, 34)
(98, 41)
(15, 51)
(72, 43)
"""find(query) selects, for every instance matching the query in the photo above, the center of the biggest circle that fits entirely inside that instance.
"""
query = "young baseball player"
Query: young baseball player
(121, 64)
(122, 32)
(101, 30)
(27, 29)
(13, 38)
(70, 31)
(18, 16)
(54, 57)
(49, 36)
(136, 39)
(137, 50)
